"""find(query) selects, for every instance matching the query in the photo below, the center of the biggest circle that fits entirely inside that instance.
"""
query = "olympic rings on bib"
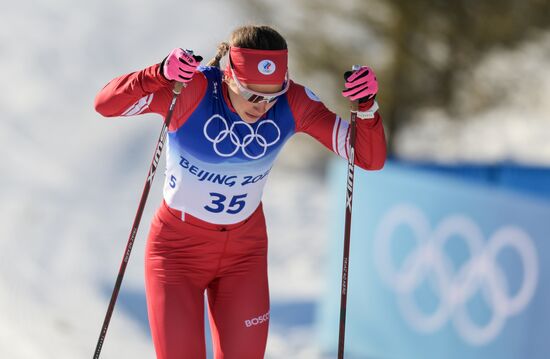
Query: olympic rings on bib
(251, 138)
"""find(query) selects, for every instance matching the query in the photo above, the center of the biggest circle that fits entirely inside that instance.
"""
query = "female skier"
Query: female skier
(209, 233)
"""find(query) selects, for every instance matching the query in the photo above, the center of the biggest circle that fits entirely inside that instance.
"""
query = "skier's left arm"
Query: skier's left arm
(314, 118)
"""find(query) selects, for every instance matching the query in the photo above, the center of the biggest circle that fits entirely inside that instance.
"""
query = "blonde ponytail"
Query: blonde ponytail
(223, 48)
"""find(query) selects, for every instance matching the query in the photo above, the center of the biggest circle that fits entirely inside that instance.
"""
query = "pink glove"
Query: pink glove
(360, 84)
(180, 65)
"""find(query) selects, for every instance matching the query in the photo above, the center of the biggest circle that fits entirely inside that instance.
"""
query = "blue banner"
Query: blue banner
(439, 268)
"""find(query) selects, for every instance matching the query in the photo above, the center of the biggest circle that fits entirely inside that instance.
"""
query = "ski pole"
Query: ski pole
(347, 226)
(152, 170)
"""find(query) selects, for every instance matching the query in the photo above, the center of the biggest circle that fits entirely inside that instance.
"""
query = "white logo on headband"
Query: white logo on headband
(266, 67)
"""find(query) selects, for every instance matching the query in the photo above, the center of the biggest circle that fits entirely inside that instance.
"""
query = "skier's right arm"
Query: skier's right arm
(150, 90)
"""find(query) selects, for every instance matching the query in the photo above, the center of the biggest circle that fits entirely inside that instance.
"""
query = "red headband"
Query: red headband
(253, 66)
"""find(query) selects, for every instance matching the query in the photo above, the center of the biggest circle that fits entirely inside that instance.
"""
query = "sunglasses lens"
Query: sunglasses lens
(257, 98)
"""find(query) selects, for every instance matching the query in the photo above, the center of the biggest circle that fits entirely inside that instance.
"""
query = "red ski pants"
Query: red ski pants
(186, 258)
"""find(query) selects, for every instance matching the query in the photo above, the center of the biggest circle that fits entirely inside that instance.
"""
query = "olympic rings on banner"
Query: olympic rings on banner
(480, 274)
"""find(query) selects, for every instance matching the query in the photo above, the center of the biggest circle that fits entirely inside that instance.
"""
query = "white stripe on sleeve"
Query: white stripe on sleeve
(334, 132)
(139, 106)
(340, 137)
